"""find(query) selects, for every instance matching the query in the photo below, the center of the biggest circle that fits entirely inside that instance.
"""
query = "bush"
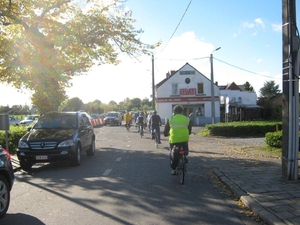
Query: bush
(14, 135)
(242, 129)
(274, 139)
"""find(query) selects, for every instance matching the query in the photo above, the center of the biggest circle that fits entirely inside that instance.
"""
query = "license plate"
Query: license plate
(41, 157)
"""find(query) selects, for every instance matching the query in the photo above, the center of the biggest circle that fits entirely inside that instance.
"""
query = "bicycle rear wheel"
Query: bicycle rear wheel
(182, 174)
(141, 132)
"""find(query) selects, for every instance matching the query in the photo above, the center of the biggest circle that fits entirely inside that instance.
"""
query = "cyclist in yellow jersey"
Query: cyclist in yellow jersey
(178, 128)
(127, 119)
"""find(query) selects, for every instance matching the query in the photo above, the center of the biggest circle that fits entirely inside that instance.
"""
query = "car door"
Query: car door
(85, 132)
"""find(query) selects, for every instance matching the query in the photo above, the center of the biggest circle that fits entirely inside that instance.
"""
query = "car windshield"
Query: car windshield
(112, 114)
(57, 121)
(30, 117)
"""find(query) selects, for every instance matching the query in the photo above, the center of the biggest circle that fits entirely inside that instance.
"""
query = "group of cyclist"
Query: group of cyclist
(139, 119)
(178, 128)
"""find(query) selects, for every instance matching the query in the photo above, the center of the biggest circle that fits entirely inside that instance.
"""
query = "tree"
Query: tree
(44, 43)
(269, 90)
(248, 87)
(73, 104)
(136, 103)
(147, 105)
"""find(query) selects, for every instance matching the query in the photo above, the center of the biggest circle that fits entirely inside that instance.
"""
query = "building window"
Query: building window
(174, 89)
(200, 88)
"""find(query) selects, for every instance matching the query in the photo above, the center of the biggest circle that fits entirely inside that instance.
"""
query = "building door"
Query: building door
(188, 110)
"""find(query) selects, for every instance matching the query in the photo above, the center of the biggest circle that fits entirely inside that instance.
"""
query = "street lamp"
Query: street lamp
(212, 87)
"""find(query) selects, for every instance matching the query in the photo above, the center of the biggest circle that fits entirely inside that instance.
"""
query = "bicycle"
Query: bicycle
(155, 137)
(140, 130)
(127, 125)
(181, 167)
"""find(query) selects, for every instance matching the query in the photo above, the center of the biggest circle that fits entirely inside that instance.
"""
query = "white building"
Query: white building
(191, 89)
(237, 104)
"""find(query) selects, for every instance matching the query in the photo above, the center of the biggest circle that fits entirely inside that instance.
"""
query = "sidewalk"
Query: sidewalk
(254, 177)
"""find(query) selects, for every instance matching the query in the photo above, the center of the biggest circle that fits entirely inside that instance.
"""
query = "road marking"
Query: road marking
(107, 172)
(118, 159)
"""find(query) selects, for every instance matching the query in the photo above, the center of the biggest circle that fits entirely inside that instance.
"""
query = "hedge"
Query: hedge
(243, 129)
(14, 135)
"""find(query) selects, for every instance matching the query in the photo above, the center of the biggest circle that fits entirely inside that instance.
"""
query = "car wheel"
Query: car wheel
(77, 157)
(25, 165)
(91, 149)
(4, 196)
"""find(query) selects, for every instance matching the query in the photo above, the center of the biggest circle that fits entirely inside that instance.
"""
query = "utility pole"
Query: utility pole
(212, 86)
(153, 85)
(290, 85)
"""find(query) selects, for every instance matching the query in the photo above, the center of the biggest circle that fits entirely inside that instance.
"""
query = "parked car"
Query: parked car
(102, 115)
(95, 116)
(29, 120)
(113, 118)
(98, 116)
(57, 136)
(13, 121)
(6, 180)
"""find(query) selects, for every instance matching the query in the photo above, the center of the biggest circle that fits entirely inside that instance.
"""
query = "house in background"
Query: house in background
(238, 104)
(191, 89)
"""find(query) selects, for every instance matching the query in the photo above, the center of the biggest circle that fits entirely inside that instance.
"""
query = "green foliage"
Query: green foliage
(274, 139)
(269, 90)
(14, 135)
(242, 129)
(44, 43)
(277, 113)
(73, 104)
(248, 87)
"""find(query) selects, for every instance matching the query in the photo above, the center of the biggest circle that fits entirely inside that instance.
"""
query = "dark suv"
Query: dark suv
(57, 136)
(6, 180)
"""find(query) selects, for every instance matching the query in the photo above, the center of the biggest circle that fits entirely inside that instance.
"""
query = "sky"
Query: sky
(248, 32)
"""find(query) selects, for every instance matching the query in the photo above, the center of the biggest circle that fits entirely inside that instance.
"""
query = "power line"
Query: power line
(229, 64)
(206, 57)
(177, 26)
(243, 69)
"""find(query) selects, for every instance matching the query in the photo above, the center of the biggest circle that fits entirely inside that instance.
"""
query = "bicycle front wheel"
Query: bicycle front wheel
(182, 175)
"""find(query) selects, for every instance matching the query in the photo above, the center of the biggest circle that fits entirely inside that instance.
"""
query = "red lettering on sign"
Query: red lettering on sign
(187, 91)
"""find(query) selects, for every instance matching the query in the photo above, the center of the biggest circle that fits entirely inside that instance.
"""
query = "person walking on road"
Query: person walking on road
(178, 128)
(155, 123)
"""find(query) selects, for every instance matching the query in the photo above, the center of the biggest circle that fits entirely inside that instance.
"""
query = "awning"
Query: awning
(237, 104)
(246, 106)
(252, 106)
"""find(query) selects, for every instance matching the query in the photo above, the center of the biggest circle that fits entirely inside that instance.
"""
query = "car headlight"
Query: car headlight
(23, 144)
(66, 143)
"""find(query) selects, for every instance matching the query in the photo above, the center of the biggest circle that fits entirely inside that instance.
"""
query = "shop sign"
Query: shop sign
(187, 91)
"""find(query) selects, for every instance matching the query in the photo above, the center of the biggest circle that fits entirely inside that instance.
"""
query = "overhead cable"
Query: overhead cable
(176, 27)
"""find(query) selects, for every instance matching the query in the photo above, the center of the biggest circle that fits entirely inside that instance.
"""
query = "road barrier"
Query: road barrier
(97, 122)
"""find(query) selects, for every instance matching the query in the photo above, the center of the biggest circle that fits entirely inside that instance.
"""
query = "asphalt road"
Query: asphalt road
(128, 181)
